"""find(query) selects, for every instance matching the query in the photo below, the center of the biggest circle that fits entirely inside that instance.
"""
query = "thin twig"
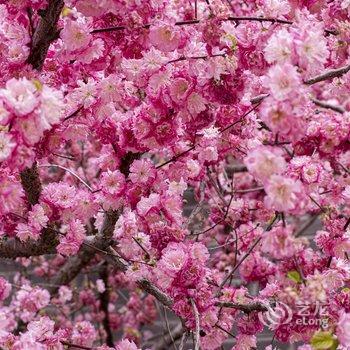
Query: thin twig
(69, 171)
(314, 201)
(197, 329)
(246, 255)
(177, 156)
(73, 114)
(347, 224)
(196, 21)
(224, 330)
(70, 345)
(249, 190)
(306, 226)
(168, 328)
(183, 340)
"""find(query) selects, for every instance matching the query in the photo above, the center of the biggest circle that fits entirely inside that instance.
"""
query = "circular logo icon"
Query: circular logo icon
(276, 316)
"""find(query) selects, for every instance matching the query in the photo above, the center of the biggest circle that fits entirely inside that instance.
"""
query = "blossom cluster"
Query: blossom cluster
(162, 157)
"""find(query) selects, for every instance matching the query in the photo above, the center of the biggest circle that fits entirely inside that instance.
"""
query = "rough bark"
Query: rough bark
(45, 33)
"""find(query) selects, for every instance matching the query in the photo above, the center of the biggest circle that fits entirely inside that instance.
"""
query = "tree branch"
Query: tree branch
(247, 308)
(166, 341)
(45, 33)
(13, 248)
(31, 184)
(104, 299)
(330, 74)
(150, 288)
(327, 105)
(197, 329)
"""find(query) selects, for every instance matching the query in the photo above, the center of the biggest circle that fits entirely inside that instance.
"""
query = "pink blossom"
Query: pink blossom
(148, 203)
(142, 171)
(20, 95)
(312, 48)
(100, 286)
(196, 103)
(276, 8)
(164, 37)
(5, 289)
(6, 146)
(4, 113)
(245, 342)
(346, 193)
(33, 299)
(343, 329)
(283, 194)
(60, 195)
(84, 333)
(282, 79)
(37, 217)
(75, 35)
(173, 259)
(25, 232)
(279, 47)
(113, 182)
(126, 344)
(65, 294)
(41, 329)
(74, 237)
(263, 162)
(179, 90)
(280, 243)
(51, 107)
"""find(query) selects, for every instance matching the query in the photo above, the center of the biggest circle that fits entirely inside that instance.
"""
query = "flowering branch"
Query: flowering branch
(74, 265)
(196, 21)
(179, 155)
(245, 256)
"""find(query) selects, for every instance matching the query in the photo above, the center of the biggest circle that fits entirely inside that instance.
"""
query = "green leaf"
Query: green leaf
(294, 276)
(324, 341)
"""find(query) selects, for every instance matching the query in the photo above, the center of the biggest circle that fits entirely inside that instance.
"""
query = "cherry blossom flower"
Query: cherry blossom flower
(283, 194)
(282, 80)
(20, 96)
(164, 37)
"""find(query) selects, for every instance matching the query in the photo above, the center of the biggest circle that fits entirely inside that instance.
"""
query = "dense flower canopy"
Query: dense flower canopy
(172, 155)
